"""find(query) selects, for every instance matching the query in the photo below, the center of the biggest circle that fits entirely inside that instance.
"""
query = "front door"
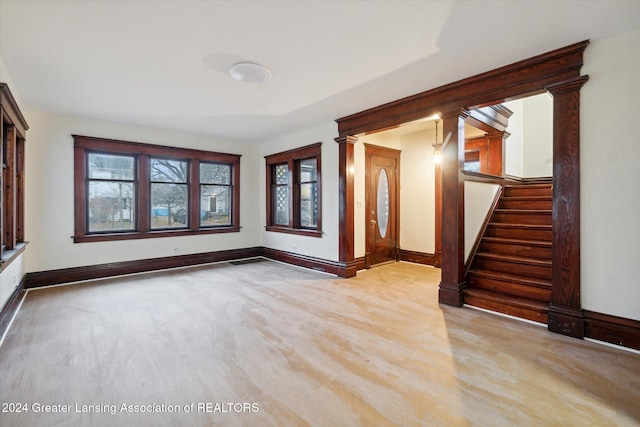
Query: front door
(382, 204)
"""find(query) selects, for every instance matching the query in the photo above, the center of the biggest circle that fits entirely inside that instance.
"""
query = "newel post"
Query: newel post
(453, 277)
(565, 312)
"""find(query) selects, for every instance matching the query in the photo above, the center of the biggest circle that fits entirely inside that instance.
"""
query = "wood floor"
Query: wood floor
(265, 344)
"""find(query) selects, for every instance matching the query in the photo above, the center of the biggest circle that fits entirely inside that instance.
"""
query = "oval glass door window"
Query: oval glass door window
(383, 203)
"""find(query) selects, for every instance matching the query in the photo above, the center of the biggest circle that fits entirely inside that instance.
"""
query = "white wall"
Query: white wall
(325, 247)
(537, 158)
(478, 198)
(49, 195)
(529, 148)
(609, 180)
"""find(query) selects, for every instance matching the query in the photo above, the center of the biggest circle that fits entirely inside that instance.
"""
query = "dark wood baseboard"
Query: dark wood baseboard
(334, 267)
(566, 321)
(612, 329)
(75, 274)
(360, 263)
(11, 306)
(417, 257)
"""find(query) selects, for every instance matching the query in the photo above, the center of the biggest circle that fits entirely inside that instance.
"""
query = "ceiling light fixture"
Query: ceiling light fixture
(250, 72)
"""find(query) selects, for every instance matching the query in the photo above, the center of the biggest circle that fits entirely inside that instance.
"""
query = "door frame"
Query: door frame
(392, 153)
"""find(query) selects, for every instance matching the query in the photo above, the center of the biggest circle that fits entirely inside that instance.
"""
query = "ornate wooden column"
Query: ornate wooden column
(453, 280)
(565, 313)
(346, 208)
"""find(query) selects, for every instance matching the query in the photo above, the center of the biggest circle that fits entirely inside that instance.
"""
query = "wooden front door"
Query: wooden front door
(382, 204)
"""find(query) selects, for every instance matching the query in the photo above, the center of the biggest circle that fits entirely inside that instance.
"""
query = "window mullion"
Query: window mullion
(143, 190)
(292, 193)
(193, 186)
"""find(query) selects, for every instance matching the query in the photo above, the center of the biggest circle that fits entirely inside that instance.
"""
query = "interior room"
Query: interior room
(286, 213)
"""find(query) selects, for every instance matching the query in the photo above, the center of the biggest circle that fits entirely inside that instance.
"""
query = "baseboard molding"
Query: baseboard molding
(75, 274)
(612, 329)
(11, 307)
(334, 267)
(417, 257)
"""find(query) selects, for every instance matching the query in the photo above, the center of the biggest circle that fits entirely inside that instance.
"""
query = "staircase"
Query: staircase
(511, 270)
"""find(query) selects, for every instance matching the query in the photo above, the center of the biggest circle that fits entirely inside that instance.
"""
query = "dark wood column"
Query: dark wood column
(346, 205)
(565, 313)
(453, 280)
(438, 210)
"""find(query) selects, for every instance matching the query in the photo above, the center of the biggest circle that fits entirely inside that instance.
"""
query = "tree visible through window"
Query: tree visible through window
(127, 190)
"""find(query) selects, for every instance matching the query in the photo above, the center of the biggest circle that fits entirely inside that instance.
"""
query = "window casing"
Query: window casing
(13, 128)
(293, 191)
(128, 190)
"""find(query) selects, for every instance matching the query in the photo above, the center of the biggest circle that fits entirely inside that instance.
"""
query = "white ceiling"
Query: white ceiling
(164, 63)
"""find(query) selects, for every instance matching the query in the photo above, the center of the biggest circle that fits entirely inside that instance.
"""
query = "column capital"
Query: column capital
(348, 139)
(567, 85)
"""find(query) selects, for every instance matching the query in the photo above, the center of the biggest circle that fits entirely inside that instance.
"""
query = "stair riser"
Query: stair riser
(522, 218)
(523, 313)
(519, 233)
(529, 270)
(537, 252)
(518, 289)
(527, 191)
(525, 204)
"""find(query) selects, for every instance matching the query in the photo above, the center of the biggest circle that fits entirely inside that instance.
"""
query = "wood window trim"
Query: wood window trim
(292, 159)
(143, 152)
(13, 129)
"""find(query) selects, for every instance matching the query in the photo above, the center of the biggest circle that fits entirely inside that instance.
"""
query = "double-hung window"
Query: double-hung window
(293, 191)
(128, 190)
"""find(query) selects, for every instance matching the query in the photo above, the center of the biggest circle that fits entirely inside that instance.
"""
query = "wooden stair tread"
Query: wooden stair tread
(506, 299)
(514, 278)
(520, 226)
(540, 185)
(527, 198)
(524, 211)
(522, 242)
(515, 259)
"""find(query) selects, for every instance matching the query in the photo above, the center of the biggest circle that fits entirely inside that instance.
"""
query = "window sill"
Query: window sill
(107, 237)
(9, 256)
(298, 231)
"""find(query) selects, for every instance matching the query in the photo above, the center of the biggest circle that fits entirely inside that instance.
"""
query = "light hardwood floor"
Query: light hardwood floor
(294, 347)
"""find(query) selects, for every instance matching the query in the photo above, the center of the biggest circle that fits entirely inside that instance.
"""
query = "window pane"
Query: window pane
(309, 205)
(169, 205)
(281, 205)
(212, 173)
(215, 205)
(281, 174)
(473, 166)
(308, 170)
(111, 206)
(108, 166)
(166, 170)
